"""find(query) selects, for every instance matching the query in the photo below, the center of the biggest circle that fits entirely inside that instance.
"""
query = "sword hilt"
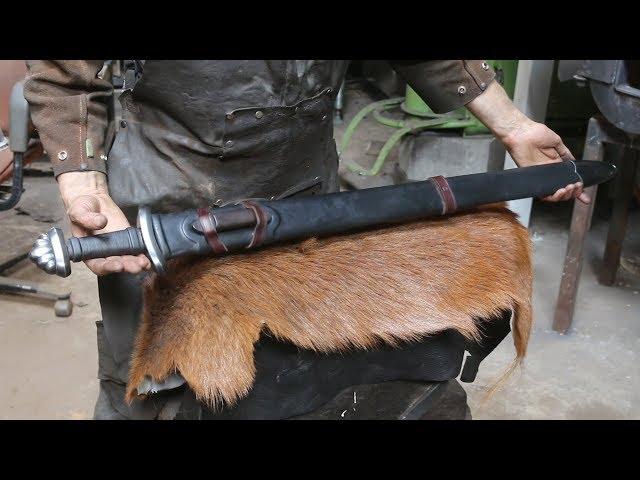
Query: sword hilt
(123, 242)
(54, 255)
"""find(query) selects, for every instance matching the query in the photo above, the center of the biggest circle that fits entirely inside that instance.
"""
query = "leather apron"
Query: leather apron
(196, 133)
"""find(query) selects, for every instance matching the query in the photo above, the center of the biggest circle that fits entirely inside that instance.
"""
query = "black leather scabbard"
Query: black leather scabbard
(255, 223)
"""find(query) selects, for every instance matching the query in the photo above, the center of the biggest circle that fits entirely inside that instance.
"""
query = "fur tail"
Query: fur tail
(522, 323)
(521, 331)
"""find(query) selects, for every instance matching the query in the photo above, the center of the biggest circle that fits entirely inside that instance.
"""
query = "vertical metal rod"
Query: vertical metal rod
(619, 217)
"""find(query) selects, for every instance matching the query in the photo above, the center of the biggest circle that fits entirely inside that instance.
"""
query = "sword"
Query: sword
(255, 223)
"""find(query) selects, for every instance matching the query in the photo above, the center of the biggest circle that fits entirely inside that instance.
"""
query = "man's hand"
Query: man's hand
(92, 211)
(532, 143)
(528, 142)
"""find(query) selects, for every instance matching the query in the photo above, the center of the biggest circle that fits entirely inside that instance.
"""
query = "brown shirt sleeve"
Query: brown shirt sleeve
(445, 84)
(68, 104)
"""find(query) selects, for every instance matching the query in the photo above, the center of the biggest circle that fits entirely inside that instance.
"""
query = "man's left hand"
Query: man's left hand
(528, 142)
(532, 143)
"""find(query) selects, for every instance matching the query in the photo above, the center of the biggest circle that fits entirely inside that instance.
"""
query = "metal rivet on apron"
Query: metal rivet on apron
(324, 117)
(103, 157)
(329, 90)
(123, 123)
(297, 109)
(462, 89)
(229, 116)
(483, 85)
(218, 202)
(62, 155)
(229, 143)
(485, 66)
(259, 114)
(83, 166)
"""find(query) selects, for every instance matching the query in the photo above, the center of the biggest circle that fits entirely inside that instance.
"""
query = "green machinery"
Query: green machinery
(417, 116)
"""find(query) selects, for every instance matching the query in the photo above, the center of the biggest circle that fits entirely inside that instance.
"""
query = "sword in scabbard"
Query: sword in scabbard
(255, 223)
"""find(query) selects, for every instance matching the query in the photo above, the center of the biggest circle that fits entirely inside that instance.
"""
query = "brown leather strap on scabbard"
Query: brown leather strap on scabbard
(444, 190)
(262, 218)
(208, 225)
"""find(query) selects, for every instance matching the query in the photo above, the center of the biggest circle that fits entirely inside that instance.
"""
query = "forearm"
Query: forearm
(495, 109)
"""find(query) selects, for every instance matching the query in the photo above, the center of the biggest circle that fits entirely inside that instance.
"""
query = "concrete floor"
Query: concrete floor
(590, 372)
(48, 364)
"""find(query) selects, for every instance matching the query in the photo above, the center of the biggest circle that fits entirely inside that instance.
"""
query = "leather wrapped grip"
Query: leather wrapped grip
(122, 242)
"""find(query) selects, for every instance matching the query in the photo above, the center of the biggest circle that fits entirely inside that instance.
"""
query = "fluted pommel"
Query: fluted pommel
(42, 254)
(50, 254)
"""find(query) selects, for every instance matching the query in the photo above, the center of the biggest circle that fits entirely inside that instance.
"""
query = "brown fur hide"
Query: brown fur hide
(396, 283)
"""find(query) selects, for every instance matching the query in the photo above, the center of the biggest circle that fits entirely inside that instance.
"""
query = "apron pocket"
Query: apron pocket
(256, 131)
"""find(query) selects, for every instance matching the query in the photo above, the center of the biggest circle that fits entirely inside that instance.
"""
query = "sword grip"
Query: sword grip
(123, 242)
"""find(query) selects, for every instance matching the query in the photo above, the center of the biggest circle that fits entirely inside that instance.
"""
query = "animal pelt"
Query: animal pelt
(330, 294)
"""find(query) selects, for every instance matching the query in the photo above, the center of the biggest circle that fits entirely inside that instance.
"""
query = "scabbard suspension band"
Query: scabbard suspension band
(210, 232)
(262, 218)
(446, 195)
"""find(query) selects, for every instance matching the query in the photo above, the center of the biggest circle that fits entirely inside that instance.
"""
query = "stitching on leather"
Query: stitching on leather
(82, 123)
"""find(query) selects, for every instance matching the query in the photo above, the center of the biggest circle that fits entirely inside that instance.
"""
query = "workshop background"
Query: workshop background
(585, 344)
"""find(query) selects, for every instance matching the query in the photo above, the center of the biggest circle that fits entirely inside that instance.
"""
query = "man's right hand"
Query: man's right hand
(92, 211)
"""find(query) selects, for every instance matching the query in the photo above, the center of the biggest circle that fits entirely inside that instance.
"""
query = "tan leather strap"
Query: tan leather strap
(262, 218)
(446, 194)
(209, 230)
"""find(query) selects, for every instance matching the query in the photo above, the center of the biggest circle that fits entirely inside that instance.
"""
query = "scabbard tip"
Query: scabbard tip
(595, 172)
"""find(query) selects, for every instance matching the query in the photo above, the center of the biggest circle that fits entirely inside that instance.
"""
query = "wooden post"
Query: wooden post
(580, 224)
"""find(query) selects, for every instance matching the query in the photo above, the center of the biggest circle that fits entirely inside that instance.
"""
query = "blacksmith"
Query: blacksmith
(197, 133)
